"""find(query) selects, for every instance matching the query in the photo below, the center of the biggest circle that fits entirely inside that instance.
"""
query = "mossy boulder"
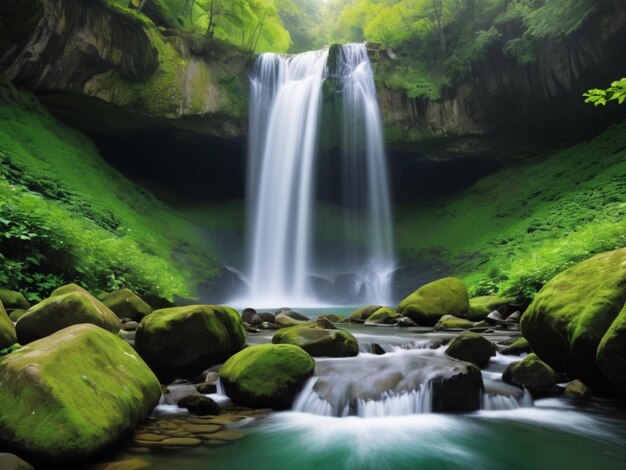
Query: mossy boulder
(482, 306)
(360, 315)
(8, 336)
(11, 299)
(332, 317)
(67, 288)
(471, 347)
(531, 373)
(126, 304)
(73, 393)
(17, 313)
(432, 301)
(449, 322)
(285, 321)
(577, 321)
(268, 375)
(517, 348)
(318, 341)
(58, 312)
(383, 316)
(184, 341)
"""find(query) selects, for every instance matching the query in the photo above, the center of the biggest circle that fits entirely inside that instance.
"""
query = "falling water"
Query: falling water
(285, 110)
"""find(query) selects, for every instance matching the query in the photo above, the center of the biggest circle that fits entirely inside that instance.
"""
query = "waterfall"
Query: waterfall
(285, 110)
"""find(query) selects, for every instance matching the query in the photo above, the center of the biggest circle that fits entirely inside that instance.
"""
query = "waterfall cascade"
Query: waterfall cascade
(285, 109)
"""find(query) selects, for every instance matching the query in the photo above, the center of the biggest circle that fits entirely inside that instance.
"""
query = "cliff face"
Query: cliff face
(108, 68)
(501, 95)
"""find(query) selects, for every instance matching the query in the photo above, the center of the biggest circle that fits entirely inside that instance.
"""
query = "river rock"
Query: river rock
(405, 322)
(200, 405)
(11, 299)
(268, 326)
(63, 310)
(8, 336)
(16, 314)
(332, 317)
(448, 322)
(319, 342)
(480, 307)
(284, 321)
(126, 304)
(325, 324)
(577, 321)
(531, 373)
(250, 317)
(360, 315)
(517, 348)
(432, 301)
(578, 390)
(73, 393)
(183, 341)
(377, 349)
(266, 376)
(383, 316)
(67, 288)
(267, 317)
(13, 462)
(471, 347)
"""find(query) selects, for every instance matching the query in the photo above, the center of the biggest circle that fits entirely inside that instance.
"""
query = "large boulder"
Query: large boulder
(318, 341)
(360, 315)
(268, 375)
(126, 304)
(58, 312)
(285, 321)
(531, 373)
(576, 323)
(517, 348)
(482, 306)
(67, 288)
(471, 347)
(432, 301)
(183, 341)
(11, 299)
(73, 393)
(383, 316)
(8, 336)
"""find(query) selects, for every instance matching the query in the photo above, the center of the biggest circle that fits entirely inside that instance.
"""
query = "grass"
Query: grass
(89, 223)
(513, 230)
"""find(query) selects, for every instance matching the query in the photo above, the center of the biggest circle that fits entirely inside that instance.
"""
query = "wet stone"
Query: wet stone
(149, 437)
(180, 442)
(201, 428)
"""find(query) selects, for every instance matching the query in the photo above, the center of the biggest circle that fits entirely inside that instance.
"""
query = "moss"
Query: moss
(61, 311)
(482, 306)
(67, 288)
(449, 322)
(12, 299)
(471, 347)
(531, 373)
(432, 301)
(611, 354)
(269, 375)
(518, 227)
(517, 347)
(126, 304)
(571, 314)
(363, 313)
(318, 341)
(183, 341)
(73, 393)
(17, 313)
(384, 315)
(7, 330)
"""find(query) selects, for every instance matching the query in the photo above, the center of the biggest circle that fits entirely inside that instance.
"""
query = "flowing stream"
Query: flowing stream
(283, 173)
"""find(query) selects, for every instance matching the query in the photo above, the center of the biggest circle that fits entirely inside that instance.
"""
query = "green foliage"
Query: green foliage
(415, 79)
(616, 92)
(514, 230)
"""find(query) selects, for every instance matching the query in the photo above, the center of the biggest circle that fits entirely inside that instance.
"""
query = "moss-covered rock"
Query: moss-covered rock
(432, 301)
(17, 313)
(183, 341)
(577, 316)
(126, 304)
(360, 315)
(73, 393)
(11, 299)
(517, 348)
(471, 347)
(67, 288)
(531, 373)
(382, 316)
(269, 375)
(8, 336)
(332, 317)
(482, 306)
(283, 320)
(578, 390)
(63, 310)
(318, 341)
(449, 322)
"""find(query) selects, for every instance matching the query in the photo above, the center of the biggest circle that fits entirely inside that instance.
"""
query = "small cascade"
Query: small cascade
(495, 402)
(388, 404)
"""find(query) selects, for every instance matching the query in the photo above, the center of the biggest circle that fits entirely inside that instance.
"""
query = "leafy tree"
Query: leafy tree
(616, 92)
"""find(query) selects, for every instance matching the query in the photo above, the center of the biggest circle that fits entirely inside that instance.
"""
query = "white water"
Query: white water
(285, 106)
